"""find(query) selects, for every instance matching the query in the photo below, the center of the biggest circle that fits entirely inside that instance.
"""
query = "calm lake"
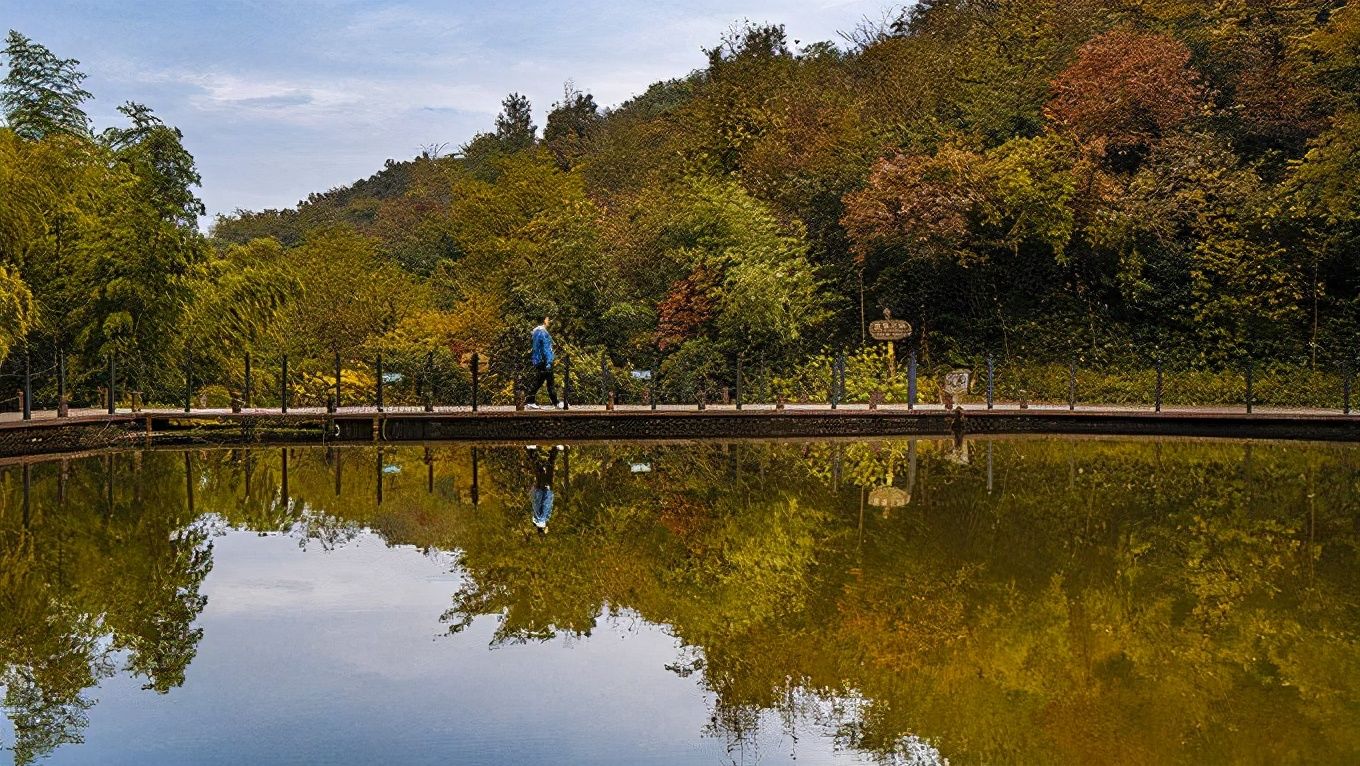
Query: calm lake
(1032, 601)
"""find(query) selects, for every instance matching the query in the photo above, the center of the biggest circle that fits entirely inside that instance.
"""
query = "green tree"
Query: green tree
(132, 269)
(571, 125)
(41, 94)
(165, 170)
(531, 246)
(515, 127)
(348, 295)
(764, 293)
(238, 296)
(16, 310)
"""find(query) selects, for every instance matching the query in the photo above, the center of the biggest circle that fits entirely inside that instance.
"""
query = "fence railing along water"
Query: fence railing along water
(436, 380)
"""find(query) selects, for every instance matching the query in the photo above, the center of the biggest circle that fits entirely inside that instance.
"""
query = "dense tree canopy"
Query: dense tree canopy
(1027, 177)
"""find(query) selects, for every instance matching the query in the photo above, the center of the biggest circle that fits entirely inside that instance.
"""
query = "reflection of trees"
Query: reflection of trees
(1110, 590)
(1102, 592)
(1104, 602)
(50, 657)
(115, 567)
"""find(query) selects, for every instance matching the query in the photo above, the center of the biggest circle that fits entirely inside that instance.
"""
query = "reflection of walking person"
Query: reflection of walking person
(541, 357)
(541, 498)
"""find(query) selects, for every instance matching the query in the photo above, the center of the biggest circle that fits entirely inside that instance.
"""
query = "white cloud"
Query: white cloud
(337, 101)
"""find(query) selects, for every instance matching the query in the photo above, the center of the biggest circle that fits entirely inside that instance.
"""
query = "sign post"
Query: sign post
(890, 330)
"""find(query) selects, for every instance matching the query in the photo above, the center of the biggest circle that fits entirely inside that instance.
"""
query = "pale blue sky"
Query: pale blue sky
(279, 98)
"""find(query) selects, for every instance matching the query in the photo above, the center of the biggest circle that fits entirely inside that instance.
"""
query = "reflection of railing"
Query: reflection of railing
(430, 381)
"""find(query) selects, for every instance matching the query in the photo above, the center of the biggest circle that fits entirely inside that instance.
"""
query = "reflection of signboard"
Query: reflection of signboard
(888, 497)
(956, 382)
(889, 329)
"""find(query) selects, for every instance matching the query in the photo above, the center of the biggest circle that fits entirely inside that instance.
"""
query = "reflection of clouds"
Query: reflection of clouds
(254, 577)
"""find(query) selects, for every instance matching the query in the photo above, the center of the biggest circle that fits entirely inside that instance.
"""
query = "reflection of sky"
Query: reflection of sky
(339, 657)
(281, 99)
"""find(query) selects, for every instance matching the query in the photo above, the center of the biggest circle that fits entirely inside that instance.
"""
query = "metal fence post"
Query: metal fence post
(61, 385)
(991, 382)
(188, 388)
(476, 371)
(337, 381)
(1346, 388)
(606, 381)
(738, 382)
(911, 381)
(566, 382)
(245, 391)
(283, 386)
(380, 383)
(841, 377)
(420, 383)
(766, 389)
(1249, 381)
(429, 382)
(28, 387)
(835, 379)
(651, 388)
(1072, 386)
(1159, 386)
(113, 379)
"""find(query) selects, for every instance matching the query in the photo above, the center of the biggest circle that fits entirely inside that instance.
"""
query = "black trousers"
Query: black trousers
(542, 373)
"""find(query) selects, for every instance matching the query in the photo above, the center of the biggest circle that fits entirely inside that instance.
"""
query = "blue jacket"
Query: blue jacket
(542, 355)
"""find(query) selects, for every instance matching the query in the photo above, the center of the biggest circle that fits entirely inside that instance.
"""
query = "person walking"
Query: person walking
(541, 357)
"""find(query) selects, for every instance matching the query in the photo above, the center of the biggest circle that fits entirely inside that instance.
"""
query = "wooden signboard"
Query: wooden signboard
(889, 329)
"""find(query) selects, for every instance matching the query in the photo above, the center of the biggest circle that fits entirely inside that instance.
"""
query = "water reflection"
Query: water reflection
(1058, 601)
(888, 495)
(541, 464)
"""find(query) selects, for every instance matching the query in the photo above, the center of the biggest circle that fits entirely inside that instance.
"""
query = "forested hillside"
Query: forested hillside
(1031, 178)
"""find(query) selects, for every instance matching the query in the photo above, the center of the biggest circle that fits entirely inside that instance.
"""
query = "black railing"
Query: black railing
(434, 381)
